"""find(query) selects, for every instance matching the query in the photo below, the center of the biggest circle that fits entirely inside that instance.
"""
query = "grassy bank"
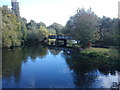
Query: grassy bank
(101, 52)
(103, 57)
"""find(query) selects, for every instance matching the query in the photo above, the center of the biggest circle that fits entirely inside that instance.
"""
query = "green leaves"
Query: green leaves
(38, 34)
(83, 26)
(17, 31)
(56, 28)
(11, 31)
(108, 29)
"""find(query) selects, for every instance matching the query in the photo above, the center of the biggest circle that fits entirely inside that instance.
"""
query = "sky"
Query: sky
(50, 11)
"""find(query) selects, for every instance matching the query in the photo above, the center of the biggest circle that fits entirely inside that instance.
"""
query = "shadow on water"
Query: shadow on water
(85, 69)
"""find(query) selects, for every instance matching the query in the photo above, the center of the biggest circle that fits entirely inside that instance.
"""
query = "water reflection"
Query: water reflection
(54, 51)
(87, 70)
(13, 59)
(59, 68)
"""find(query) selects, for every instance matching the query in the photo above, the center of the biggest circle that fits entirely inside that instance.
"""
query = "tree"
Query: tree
(108, 32)
(37, 35)
(32, 25)
(11, 31)
(16, 30)
(114, 33)
(57, 27)
(83, 27)
(40, 24)
(52, 31)
(24, 29)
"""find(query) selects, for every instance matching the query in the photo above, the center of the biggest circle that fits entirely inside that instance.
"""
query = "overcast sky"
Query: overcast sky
(50, 11)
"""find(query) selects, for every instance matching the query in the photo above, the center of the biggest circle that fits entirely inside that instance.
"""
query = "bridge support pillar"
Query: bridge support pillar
(57, 42)
(65, 42)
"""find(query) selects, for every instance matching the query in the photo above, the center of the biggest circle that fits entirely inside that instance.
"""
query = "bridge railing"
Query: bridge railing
(58, 37)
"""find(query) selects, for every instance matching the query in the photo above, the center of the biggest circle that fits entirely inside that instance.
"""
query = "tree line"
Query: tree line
(85, 27)
(16, 31)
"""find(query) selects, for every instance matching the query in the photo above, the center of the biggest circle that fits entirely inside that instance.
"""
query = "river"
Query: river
(44, 67)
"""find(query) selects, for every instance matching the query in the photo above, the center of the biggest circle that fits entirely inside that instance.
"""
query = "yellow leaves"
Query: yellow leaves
(18, 23)
(7, 42)
(50, 34)
(8, 15)
(10, 38)
(44, 31)
(11, 31)
(38, 34)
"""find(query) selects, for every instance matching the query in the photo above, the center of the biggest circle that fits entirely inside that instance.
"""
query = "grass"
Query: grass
(99, 50)
(102, 51)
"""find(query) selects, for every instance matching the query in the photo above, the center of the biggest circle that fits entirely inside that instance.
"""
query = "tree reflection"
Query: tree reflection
(54, 51)
(85, 67)
(12, 62)
(34, 51)
(13, 59)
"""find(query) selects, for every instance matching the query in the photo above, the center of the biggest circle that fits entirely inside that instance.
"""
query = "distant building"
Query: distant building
(15, 7)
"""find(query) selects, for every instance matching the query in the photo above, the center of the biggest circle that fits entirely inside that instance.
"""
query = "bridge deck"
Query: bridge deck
(59, 37)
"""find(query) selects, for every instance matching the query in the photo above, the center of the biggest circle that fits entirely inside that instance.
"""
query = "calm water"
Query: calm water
(42, 67)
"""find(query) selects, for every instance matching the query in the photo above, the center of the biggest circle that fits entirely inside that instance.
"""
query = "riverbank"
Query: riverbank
(107, 52)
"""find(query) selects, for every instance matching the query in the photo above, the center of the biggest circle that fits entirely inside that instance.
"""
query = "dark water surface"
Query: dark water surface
(42, 67)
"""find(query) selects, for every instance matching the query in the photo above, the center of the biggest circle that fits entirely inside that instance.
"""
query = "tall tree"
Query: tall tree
(11, 31)
(83, 26)
(108, 32)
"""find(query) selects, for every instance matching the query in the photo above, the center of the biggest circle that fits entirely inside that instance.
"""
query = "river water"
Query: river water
(44, 67)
